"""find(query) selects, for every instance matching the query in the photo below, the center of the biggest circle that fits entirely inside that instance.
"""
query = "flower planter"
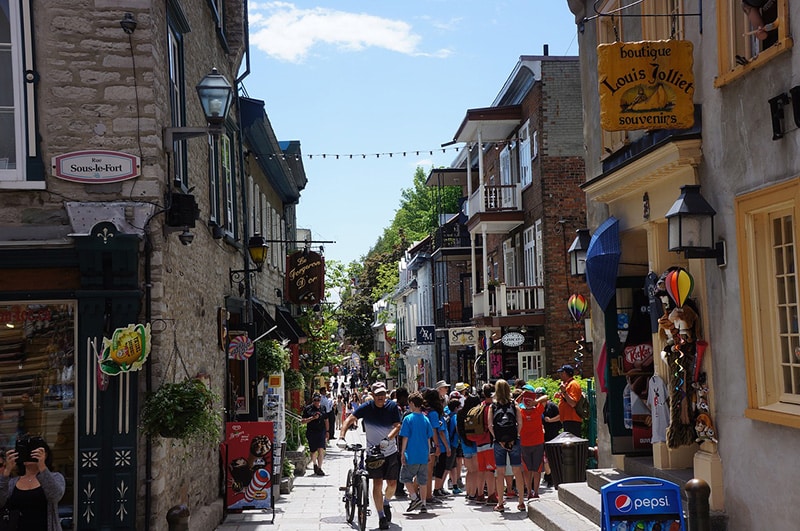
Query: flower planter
(299, 459)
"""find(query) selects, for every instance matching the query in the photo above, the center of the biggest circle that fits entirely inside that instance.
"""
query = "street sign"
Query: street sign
(641, 504)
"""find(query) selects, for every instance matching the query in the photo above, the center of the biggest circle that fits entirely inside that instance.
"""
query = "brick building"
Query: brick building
(106, 223)
(505, 256)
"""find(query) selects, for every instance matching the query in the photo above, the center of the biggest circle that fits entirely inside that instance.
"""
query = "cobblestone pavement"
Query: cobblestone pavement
(316, 503)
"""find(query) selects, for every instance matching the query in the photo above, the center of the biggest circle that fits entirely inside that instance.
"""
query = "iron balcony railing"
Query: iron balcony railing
(451, 236)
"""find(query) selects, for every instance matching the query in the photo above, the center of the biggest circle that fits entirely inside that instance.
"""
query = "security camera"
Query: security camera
(186, 237)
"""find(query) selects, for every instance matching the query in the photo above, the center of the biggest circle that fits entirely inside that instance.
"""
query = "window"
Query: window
(740, 47)
(222, 205)
(768, 258)
(509, 263)
(20, 162)
(525, 155)
(656, 26)
(218, 12)
(177, 101)
(529, 251)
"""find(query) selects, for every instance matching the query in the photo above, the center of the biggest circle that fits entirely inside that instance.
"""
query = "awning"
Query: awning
(264, 323)
(289, 328)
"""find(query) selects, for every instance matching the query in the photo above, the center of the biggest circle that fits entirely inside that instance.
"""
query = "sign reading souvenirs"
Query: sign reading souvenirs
(96, 166)
(646, 85)
(462, 336)
(305, 277)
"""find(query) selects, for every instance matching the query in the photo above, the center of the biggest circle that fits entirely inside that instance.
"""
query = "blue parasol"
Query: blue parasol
(602, 261)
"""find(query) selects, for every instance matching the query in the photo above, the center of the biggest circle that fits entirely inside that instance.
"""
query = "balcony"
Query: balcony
(495, 208)
(451, 237)
(453, 313)
(504, 301)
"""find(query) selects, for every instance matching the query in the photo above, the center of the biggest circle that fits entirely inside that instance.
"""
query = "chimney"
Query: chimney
(546, 50)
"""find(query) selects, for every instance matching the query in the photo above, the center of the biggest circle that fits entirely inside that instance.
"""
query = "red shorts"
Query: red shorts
(486, 460)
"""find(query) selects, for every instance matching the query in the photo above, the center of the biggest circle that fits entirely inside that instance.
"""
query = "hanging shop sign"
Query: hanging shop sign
(305, 277)
(463, 336)
(127, 350)
(426, 335)
(96, 166)
(646, 85)
(240, 347)
(513, 339)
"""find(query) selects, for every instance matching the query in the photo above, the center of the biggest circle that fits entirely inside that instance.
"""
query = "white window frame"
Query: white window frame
(537, 361)
(526, 156)
(509, 263)
(539, 253)
(529, 250)
(226, 175)
(14, 50)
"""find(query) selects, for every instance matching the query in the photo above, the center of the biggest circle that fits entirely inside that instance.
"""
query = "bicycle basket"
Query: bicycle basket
(374, 459)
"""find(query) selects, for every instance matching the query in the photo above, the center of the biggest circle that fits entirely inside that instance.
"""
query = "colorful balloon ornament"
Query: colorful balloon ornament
(679, 285)
(577, 306)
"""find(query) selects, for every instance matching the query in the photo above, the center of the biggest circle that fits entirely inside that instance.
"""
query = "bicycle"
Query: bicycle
(356, 491)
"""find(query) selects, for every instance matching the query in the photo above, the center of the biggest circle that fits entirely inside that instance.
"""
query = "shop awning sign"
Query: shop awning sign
(646, 85)
(463, 336)
(96, 166)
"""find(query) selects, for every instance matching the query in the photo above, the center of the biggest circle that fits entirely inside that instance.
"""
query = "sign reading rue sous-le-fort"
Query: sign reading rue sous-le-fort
(646, 85)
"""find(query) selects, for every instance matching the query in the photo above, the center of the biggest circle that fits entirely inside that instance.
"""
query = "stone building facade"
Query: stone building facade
(84, 253)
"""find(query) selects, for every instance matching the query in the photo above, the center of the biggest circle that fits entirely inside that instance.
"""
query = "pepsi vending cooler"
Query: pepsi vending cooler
(641, 504)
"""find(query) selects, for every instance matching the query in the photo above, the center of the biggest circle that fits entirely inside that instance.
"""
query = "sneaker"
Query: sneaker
(457, 490)
(440, 493)
(480, 499)
(423, 509)
(383, 523)
(387, 510)
(492, 499)
(433, 501)
(414, 505)
(401, 494)
(511, 494)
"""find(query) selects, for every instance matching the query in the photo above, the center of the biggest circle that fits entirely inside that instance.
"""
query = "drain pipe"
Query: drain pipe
(148, 314)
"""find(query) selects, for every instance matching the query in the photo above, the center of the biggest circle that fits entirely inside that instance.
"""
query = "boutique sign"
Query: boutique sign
(646, 85)
(305, 277)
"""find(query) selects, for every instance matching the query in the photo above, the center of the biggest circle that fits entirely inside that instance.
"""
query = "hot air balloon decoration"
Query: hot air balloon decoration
(679, 285)
(577, 306)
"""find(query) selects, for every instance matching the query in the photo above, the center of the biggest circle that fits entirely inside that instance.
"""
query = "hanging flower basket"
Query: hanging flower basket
(182, 410)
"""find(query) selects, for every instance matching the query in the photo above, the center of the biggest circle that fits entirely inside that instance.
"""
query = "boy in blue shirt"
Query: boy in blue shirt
(417, 435)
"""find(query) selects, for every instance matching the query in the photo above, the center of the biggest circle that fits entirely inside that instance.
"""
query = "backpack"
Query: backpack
(474, 424)
(504, 422)
(582, 407)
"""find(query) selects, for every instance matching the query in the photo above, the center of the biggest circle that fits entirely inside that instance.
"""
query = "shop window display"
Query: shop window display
(37, 379)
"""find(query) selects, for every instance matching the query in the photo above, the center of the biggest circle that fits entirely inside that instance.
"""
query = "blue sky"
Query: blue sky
(384, 76)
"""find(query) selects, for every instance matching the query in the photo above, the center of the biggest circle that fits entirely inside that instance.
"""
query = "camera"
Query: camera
(25, 445)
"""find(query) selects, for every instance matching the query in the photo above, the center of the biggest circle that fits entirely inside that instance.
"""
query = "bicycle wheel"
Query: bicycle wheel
(363, 502)
(349, 498)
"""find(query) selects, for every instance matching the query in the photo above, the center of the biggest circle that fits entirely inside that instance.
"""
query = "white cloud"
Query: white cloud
(288, 33)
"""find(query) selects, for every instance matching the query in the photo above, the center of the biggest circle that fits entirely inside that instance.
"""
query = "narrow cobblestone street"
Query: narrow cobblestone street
(316, 503)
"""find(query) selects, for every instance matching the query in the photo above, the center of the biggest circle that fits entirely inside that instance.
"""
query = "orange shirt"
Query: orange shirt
(566, 411)
(532, 433)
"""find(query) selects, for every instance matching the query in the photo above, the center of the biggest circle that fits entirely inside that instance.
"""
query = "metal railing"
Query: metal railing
(495, 198)
(505, 300)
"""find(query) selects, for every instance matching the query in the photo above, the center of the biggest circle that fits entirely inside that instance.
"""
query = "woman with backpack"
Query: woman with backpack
(469, 449)
(505, 426)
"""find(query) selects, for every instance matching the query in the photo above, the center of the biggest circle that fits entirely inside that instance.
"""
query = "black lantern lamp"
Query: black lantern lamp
(216, 95)
(690, 222)
(257, 250)
(577, 252)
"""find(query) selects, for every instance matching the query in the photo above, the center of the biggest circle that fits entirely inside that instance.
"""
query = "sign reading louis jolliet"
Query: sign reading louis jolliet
(646, 85)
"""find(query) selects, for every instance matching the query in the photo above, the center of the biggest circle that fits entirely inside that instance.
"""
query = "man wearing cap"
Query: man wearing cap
(316, 423)
(569, 393)
(381, 420)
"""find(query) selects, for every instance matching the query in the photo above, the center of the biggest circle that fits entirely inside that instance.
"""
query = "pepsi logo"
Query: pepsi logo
(623, 503)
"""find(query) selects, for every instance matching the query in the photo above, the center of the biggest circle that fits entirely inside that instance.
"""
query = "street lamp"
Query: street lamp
(690, 222)
(577, 252)
(257, 251)
(216, 95)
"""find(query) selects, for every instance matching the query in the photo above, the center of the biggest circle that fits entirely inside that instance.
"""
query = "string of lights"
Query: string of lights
(388, 154)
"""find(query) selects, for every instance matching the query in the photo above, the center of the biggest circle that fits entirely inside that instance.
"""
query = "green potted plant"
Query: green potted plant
(293, 380)
(271, 357)
(182, 410)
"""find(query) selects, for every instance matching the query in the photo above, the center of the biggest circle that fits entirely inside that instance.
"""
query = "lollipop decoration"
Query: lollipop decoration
(679, 285)
(577, 306)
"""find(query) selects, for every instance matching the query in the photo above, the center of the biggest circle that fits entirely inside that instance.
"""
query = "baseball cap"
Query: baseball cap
(566, 368)
(462, 386)
(540, 391)
(442, 383)
(528, 387)
(378, 388)
(455, 395)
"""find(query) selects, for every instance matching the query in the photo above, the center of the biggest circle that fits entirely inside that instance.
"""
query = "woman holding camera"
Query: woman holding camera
(35, 492)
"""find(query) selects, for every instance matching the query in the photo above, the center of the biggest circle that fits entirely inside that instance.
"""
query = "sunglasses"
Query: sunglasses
(317, 400)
